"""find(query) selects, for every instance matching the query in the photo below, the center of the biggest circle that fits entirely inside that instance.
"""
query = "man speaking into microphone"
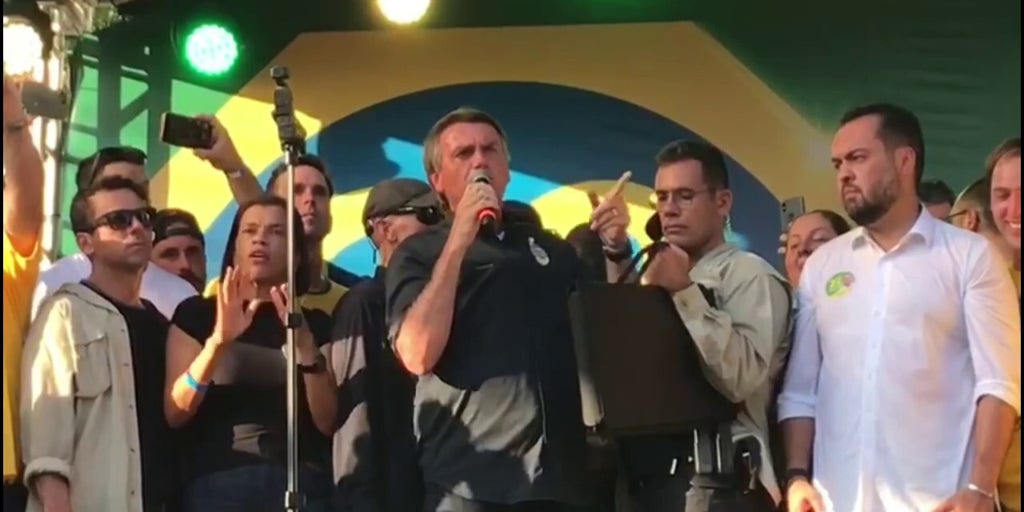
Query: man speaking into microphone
(478, 309)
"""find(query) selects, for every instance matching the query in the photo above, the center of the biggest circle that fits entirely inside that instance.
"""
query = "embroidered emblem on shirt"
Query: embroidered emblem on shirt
(538, 253)
(839, 284)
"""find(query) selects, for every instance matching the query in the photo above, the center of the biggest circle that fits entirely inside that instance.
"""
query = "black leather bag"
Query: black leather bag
(640, 372)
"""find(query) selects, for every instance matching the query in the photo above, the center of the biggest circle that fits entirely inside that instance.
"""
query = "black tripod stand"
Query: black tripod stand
(293, 143)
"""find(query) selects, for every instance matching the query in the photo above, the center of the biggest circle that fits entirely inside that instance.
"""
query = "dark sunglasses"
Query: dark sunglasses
(426, 215)
(122, 219)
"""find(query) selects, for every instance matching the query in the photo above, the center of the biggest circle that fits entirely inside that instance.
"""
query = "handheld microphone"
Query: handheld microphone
(488, 216)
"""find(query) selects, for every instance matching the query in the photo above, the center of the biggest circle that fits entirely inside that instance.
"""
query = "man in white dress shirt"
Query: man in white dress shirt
(904, 376)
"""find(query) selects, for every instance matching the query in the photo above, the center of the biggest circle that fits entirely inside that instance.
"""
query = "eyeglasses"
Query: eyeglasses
(949, 218)
(121, 220)
(680, 197)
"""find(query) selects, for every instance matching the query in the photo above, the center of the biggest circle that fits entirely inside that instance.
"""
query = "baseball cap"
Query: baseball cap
(174, 222)
(653, 228)
(390, 196)
(91, 166)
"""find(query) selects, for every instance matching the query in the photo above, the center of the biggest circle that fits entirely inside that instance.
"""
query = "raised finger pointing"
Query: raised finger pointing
(620, 185)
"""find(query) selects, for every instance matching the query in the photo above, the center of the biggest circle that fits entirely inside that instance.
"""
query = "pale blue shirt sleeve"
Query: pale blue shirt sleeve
(800, 388)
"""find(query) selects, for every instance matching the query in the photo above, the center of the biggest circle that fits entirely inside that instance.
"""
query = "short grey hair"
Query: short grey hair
(431, 148)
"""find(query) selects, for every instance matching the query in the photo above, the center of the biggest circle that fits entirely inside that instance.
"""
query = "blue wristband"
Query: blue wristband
(194, 384)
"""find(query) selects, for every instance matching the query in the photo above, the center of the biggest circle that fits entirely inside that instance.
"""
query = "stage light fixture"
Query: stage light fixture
(28, 36)
(211, 49)
(403, 12)
(23, 48)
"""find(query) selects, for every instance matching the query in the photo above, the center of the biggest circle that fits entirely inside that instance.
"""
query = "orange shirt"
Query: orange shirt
(20, 274)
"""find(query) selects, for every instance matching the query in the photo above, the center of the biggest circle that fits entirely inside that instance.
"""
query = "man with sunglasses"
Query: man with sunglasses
(163, 289)
(23, 219)
(93, 427)
(374, 449)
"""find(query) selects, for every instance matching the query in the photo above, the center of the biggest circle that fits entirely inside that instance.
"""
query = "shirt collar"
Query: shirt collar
(923, 230)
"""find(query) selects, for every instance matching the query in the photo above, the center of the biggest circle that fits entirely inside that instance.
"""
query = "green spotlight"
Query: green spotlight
(211, 49)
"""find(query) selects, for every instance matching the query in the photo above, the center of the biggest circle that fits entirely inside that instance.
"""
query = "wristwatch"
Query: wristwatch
(793, 474)
(237, 173)
(319, 365)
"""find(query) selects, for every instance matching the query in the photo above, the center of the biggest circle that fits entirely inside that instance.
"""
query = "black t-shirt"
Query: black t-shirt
(242, 420)
(499, 418)
(375, 450)
(147, 334)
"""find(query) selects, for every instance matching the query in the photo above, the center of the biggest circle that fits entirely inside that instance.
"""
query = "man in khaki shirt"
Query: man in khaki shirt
(1002, 170)
(742, 340)
(93, 432)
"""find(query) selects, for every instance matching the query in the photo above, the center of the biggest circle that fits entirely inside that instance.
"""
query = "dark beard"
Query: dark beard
(874, 208)
(868, 213)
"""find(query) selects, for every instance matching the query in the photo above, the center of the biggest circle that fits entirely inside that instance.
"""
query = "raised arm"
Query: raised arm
(421, 305)
(224, 157)
(23, 179)
(421, 299)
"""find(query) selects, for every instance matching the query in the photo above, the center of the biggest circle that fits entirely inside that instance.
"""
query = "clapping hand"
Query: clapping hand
(234, 316)
(305, 343)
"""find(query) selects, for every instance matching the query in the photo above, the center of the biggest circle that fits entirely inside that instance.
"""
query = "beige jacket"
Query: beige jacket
(744, 341)
(78, 402)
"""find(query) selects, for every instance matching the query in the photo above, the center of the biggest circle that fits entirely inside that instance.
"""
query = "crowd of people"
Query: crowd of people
(879, 371)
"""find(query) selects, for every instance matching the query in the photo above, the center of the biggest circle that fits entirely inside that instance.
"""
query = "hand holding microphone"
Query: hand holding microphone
(478, 208)
(488, 216)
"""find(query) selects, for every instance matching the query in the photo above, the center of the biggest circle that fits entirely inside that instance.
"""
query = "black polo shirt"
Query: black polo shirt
(374, 448)
(499, 419)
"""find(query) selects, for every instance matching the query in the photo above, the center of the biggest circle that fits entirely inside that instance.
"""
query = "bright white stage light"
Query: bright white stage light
(23, 48)
(403, 11)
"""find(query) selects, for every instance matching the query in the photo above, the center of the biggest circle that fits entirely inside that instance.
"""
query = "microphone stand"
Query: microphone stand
(293, 143)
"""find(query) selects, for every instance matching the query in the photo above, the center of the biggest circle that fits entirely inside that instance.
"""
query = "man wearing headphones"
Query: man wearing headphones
(375, 465)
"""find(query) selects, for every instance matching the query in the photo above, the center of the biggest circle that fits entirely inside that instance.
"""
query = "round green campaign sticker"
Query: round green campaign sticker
(839, 284)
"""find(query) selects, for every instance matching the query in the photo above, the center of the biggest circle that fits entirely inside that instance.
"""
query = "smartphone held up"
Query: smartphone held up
(185, 132)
